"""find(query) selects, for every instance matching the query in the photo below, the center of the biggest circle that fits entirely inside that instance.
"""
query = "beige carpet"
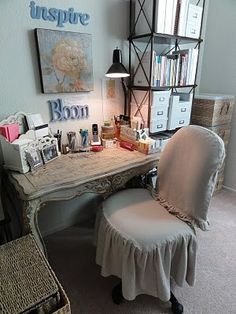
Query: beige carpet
(72, 256)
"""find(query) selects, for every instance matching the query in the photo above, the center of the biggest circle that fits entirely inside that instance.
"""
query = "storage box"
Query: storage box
(180, 110)
(194, 17)
(212, 110)
(223, 131)
(28, 284)
(219, 182)
(14, 155)
(10, 131)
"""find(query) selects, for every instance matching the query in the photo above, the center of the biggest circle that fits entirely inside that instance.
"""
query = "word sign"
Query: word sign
(61, 112)
(58, 15)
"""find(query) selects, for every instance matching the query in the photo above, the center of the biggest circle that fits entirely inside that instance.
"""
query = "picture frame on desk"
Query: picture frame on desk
(33, 158)
(49, 153)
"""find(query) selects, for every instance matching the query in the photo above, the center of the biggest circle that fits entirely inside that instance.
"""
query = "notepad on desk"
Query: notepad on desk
(35, 122)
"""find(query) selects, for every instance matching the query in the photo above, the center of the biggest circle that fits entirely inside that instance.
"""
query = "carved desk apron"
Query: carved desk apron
(74, 174)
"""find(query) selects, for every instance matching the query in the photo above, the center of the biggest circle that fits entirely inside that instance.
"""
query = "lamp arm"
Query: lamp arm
(125, 90)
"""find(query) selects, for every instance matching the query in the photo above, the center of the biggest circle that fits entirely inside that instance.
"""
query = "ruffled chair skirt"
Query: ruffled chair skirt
(140, 242)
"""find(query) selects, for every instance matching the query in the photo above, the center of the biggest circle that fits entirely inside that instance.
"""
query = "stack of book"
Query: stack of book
(176, 69)
(173, 17)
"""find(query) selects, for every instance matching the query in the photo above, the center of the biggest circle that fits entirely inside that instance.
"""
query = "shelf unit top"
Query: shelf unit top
(165, 38)
(159, 88)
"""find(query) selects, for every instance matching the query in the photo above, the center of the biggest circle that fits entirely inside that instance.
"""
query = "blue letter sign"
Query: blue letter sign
(57, 15)
(60, 112)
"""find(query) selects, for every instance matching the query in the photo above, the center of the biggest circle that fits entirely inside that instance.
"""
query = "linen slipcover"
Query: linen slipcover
(142, 239)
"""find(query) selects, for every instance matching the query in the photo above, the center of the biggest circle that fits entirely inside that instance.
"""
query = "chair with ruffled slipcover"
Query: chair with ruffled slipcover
(147, 237)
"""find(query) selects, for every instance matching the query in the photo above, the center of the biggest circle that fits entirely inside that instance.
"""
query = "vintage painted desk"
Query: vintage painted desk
(74, 174)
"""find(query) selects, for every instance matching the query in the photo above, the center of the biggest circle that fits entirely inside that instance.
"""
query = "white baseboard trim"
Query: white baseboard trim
(229, 189)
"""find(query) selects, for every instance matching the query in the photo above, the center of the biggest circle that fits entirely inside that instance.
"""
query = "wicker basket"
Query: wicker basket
(27, 282)
(212, 110)
(223, 131)
(219, 182)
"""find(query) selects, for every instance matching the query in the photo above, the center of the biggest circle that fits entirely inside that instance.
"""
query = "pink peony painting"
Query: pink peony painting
(65, 61)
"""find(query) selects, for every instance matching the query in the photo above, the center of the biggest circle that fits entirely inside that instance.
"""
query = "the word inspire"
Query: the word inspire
(58, 15)
(61, 112)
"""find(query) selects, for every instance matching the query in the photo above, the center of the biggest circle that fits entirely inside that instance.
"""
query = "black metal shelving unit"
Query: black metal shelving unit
(150, 40)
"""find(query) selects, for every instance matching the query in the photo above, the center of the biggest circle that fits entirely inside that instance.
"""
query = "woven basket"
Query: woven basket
(223, 131)
(207, 112)
(27, 282)
(219, 182)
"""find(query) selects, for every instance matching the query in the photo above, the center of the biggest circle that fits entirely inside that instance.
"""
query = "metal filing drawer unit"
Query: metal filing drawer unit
(215, 113)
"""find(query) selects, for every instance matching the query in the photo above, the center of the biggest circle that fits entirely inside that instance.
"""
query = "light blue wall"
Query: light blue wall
(19, 75)
(218, 71)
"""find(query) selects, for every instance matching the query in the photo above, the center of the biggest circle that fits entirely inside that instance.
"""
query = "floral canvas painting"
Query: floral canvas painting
(65, 61)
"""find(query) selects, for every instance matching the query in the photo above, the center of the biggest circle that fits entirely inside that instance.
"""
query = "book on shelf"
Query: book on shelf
(175, 69)
(169, 17)
(144, 25)
(172, 17)
(183, 11)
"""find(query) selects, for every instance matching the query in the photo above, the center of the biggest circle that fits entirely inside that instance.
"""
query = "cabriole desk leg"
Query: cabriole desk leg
(30, 222)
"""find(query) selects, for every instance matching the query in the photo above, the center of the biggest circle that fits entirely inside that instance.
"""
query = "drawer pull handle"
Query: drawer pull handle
(159, 126)
(226, 107)
(159, 113)
(161, 98)
(193, 31)
(181, 122)
(195, 15)
(183, 109)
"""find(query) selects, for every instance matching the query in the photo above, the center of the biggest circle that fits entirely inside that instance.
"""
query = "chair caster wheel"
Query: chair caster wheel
(117, 296)
(176, 307)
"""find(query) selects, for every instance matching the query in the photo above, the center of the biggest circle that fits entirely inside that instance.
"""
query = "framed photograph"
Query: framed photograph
(49, 153)
(33, 158)
(65, 61)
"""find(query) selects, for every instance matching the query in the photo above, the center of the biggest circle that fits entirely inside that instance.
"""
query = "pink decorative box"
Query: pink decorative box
(10, 131)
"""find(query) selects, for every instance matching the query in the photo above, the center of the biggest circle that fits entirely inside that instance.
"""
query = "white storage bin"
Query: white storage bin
(14, 156)
(179, 110)
(193, 25)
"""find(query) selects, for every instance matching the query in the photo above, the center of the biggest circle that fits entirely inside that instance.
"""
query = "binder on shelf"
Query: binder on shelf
(142, 26)
(168, 17)
(182, 17)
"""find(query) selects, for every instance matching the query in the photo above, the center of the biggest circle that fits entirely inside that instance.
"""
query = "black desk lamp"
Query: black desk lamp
(117, 70)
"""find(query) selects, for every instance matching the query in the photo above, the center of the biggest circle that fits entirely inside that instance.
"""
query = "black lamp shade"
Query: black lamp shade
(117, 70)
